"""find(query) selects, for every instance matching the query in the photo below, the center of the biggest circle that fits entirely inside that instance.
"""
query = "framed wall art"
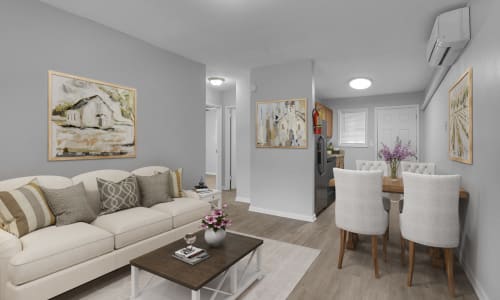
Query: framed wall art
(281, 124)
(90, 119)
(460, 119)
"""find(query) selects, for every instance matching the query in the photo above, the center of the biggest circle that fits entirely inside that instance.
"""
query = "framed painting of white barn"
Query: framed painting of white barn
(281, 124)
(90, 119)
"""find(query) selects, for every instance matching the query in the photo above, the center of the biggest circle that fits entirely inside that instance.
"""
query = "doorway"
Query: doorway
(397, 121)
(213, 147)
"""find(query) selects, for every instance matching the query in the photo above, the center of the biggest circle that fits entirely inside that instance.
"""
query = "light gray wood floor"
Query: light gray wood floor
(355, 280)
(323, 280)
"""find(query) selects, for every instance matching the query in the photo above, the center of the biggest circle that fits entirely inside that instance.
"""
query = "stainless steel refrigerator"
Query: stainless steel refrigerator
(323, 194)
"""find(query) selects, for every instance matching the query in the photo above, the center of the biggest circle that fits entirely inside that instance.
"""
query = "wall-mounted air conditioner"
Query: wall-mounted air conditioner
(450, 35)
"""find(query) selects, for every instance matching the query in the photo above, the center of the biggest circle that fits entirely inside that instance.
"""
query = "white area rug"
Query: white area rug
(283, 266)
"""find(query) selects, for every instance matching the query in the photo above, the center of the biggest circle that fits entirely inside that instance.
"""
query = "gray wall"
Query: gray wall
(481, 214)
(170, 91)
(244, 127)
(211, 142)
(282, 180)
(370, 103)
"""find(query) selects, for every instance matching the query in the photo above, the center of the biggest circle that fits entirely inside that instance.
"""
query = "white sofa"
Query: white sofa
(52, 260)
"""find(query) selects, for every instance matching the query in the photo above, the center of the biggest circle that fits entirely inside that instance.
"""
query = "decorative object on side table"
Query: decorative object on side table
(201, 185)
(460, 119)
(215, 225)
(395, 156)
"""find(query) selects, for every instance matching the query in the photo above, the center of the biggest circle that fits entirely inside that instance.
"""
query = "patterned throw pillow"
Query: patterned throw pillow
(116, 196)
(176, 183)
(24, 210)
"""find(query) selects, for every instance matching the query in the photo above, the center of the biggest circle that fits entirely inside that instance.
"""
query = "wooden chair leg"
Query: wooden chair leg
(403, 251)
(343, 235)
(411, 262)
(384, 243)
(374, 255)
(448, 254)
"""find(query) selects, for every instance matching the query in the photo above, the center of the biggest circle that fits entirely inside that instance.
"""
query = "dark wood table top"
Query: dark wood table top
(161, 263)
(390, 185)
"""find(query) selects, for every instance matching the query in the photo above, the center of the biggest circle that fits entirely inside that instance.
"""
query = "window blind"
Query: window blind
(353, 127)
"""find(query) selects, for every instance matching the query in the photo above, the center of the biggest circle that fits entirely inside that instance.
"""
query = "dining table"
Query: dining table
(396, 186)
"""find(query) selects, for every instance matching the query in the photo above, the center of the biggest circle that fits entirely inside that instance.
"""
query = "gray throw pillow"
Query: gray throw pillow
(70, 205)
(153, 189)
(116, 196)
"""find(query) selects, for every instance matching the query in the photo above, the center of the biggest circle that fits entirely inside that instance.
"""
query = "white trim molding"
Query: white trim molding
(476, 285)
(283, 214)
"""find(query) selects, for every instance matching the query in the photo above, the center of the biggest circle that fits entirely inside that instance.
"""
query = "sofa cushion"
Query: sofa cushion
(70, 205)
(153, 189)
(134, 224)
(24, 210)
(51, 249)
(116, 196)
(184, 210)
(89, 180)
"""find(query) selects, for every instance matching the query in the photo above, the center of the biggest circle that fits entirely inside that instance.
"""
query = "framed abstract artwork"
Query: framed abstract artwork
(281, 124)
(460, 119)
(90, 119)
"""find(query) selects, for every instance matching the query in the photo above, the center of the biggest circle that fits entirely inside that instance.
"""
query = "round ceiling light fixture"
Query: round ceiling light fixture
(360, 83)
(216, 81)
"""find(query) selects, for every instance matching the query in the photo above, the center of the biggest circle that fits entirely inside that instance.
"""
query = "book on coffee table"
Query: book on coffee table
(191, 255)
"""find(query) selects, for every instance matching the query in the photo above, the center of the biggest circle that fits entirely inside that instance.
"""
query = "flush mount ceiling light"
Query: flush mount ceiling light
(216, 81)
(360, 83)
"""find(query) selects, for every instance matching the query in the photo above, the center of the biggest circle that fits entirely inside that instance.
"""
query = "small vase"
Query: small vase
(394, 169)
(215, 238)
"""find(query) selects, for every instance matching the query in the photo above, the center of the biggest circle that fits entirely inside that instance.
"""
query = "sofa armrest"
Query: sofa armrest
(10, 245)
(191, 194)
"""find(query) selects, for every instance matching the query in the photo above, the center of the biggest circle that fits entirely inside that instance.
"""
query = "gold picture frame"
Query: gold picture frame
(90, 119)
(460, 134)
(281, 124)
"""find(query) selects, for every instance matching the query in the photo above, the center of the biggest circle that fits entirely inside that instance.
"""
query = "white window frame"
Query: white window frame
(341, 112)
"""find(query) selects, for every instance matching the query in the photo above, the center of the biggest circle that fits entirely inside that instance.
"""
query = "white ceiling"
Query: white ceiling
(381, 39)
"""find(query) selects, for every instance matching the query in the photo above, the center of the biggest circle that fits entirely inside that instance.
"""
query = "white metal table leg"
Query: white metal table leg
(134, 289)
(259, 261)
(219, 203)
(195, 295)
(233, 278)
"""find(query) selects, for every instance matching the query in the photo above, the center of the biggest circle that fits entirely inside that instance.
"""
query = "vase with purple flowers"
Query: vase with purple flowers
(215, 225)
(394, 157)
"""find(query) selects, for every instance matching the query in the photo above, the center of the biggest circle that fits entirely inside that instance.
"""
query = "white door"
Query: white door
(397, 121)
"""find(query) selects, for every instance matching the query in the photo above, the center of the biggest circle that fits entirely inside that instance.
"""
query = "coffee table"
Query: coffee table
(222, 261)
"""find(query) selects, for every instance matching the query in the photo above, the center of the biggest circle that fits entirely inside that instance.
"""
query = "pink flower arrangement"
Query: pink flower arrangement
(394, 157)
(216, 220)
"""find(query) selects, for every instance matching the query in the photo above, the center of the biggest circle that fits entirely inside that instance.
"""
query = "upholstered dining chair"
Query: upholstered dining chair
(430, 217)
(426, 168)
(372, 165)
(359, 209)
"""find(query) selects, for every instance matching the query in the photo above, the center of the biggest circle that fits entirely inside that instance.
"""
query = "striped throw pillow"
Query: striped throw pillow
(24, 210)
(176, 184)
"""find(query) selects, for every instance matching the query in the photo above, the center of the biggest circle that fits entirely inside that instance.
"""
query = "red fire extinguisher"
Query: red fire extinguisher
(316, 123)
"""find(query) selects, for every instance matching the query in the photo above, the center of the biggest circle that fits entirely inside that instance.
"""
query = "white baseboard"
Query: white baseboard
(481, 294)
(210, 173)
(282, 214)
(242, 199)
